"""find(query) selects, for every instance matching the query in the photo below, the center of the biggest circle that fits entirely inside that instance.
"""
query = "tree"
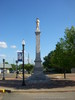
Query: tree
(13, 66)
(70, 44)
(20, 67)
(60, 58)
(47, 61)
(63, 57)
(28, 67)
(6, 63)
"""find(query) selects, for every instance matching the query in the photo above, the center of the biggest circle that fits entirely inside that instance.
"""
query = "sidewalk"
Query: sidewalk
(55, 85)
(10, 90)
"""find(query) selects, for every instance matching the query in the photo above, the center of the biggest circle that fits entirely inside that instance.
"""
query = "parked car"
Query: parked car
(11, 71)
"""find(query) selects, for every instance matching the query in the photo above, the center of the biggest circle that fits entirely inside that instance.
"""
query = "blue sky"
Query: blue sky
(18, 22)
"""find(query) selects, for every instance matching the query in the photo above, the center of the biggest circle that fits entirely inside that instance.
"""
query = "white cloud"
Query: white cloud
(3, 45)
(21, 51)
(13, 46)
(2, 56)
(18, 51)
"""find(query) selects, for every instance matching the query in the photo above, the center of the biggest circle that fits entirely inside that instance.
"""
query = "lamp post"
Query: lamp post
(23, 44)
(16, 68)
(3, 69)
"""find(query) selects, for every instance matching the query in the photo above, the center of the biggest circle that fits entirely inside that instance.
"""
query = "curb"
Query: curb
(2, 90)
(33, 91)
(38, 91)
(8, 91)
(42, 91)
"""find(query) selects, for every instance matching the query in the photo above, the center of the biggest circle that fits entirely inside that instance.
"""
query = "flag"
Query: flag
(20, 56)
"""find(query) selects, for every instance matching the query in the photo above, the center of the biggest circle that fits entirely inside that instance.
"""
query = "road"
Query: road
(38, 96)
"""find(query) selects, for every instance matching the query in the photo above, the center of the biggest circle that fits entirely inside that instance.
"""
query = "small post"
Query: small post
(3, 69)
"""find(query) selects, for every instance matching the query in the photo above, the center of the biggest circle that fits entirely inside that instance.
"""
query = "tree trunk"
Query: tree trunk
(64, 74)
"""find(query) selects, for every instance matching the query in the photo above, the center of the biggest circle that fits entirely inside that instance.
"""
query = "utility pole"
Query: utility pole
(28, 58)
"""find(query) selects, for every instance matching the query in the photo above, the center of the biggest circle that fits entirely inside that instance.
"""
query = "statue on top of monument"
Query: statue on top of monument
(37, 24)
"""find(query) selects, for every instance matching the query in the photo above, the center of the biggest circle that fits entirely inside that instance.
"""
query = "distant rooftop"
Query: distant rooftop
(6, 66)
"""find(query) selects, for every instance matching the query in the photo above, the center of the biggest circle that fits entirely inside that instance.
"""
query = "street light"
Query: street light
(3, 69)
(16, 69)
(23, 44)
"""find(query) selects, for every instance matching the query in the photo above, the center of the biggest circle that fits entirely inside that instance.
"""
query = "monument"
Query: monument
(38, 75)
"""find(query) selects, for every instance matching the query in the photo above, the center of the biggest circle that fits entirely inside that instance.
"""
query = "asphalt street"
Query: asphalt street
(38, 96)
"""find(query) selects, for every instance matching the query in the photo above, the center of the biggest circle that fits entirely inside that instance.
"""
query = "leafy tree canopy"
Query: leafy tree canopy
(64, 54)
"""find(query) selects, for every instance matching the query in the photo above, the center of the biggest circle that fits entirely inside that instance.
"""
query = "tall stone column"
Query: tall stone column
(37, 58)
(37, 75)
(38, 71)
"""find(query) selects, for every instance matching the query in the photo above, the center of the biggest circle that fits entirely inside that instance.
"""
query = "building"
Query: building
(7, 67)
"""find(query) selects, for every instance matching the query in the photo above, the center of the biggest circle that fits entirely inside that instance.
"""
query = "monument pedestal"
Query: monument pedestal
(38, 76)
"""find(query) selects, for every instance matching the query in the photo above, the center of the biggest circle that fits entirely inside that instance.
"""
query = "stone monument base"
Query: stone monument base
(38, 77)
